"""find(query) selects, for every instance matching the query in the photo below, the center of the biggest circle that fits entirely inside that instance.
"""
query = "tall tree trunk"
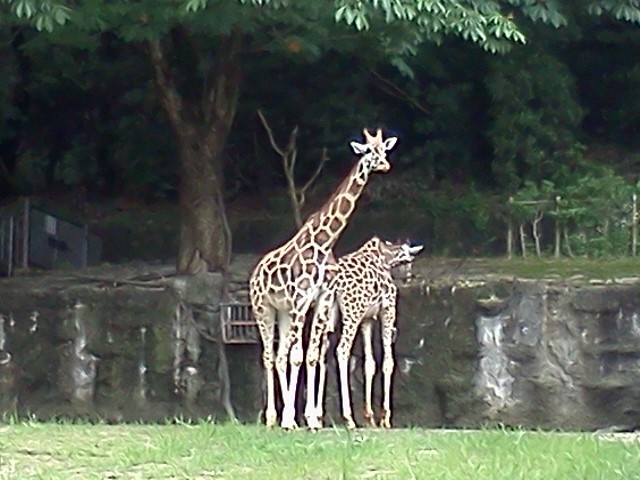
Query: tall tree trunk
(204, 243)
(202, 128)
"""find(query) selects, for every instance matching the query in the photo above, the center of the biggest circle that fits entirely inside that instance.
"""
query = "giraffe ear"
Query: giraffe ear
(390, 142)
(359, 148)
(415, 249)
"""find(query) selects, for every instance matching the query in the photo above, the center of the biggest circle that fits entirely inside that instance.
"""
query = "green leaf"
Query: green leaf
(349, 16)
(403, 67)
(361, 22)
(195, 5)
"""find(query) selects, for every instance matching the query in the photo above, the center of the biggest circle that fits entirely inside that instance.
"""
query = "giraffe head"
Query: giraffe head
(393, 253)
(374, 150)
(399, 257)
(400, 252)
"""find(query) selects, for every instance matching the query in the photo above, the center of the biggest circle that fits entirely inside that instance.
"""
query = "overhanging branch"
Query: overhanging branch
(392, 89)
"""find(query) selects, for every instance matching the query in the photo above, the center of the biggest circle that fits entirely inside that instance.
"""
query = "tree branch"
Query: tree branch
(225, 79)
(274, 145)
(302, 192)
(170, 99)
(324, 158)
(394, 90)
(289, 154)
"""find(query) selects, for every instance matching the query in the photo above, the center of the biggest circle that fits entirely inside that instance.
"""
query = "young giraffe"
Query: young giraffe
(364, 290)
(288, 280)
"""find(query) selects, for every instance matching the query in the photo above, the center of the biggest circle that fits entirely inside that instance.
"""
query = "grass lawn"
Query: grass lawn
(205, 450)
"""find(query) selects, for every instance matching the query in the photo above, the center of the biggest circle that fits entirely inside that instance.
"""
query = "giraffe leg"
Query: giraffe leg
(388, 364)
(322, 376)
(369, 371)
(313, 352)
(343, 353)
(265, 319)
(316, 356)
(293, 344)
(285, 342)
(296, 357)
(324, 348)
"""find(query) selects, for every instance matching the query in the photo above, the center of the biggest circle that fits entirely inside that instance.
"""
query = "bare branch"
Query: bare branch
(395, 91)
(324, 158)
(289, 155)
(272, 140)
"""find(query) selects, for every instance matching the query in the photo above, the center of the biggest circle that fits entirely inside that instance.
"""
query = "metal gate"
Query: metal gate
(238, 324)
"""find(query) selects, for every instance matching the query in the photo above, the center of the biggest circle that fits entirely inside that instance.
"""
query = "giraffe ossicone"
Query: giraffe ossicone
(287, 281)
(374, 142)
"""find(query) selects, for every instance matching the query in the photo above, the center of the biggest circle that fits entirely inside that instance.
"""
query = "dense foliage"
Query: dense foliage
(515, 98)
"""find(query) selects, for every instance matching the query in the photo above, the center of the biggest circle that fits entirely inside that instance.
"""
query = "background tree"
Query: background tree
(207, 44)
(331, 68)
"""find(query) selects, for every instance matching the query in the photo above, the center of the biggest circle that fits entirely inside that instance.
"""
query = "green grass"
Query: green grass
(203, 451)
(590, 268)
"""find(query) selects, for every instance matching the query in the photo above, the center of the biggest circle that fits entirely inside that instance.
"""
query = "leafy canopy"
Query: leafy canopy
(399, 25)
(402, 24)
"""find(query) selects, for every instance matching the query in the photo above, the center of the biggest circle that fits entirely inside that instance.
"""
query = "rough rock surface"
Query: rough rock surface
(136, 343)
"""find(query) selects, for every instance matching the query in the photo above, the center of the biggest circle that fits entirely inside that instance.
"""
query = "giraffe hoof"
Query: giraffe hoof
(350, 424)
(385, 419)
(271, 421)
(314, 423)
(289, 425)
(370, 420)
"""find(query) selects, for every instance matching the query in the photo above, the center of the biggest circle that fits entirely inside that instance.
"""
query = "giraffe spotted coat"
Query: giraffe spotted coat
(364, 291)
(287, 281)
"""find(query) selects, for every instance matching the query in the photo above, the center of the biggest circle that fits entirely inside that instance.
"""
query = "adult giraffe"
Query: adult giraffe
(288, 280)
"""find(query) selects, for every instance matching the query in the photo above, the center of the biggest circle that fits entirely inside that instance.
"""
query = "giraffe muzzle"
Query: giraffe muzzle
(384, 167)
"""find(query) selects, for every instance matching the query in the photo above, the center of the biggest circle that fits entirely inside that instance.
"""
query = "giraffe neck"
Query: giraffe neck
(324, 227)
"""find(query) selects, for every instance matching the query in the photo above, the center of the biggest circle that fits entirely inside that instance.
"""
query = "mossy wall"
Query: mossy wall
(121, 344)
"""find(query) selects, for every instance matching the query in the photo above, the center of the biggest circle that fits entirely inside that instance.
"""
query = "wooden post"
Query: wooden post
(3, 238)
(634, 225)
(535, 231)
(509, 230)
(556, 251)
(567, 243)
(523, 241)
(10, 247)
(26, 216)
(85, 246)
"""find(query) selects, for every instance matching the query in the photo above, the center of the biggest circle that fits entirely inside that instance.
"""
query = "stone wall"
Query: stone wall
(547, 354)
(135, 343)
